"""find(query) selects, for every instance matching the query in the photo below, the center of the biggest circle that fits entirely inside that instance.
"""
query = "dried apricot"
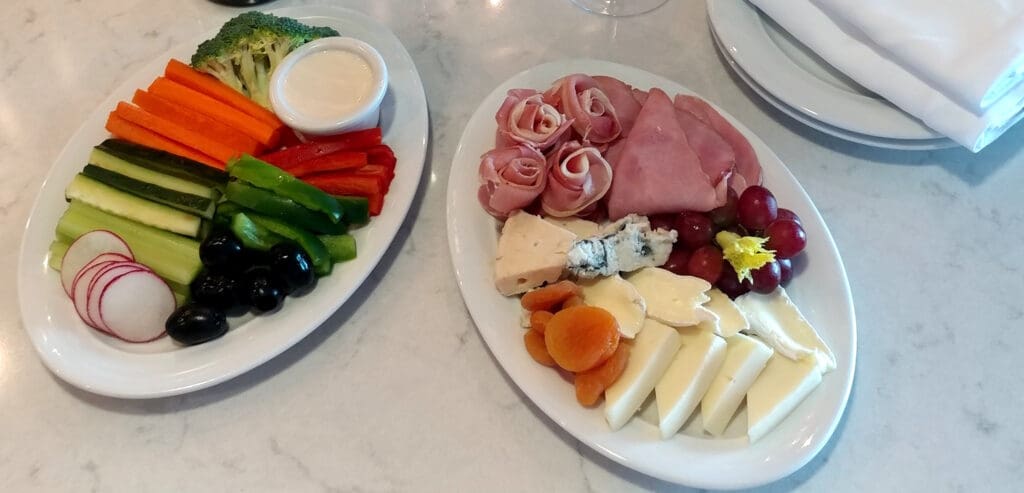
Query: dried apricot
(549, 296)
(539, 320)
(592, 383)
(535, 346)
(581, 337)
(574, 300)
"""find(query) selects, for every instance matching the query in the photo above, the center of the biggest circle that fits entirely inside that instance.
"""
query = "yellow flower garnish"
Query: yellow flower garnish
(745, 253)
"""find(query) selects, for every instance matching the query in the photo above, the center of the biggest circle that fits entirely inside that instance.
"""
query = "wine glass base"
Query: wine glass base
(619, 8)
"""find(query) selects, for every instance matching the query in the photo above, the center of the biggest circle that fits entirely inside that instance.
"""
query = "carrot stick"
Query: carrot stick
(195, 121)
(176, 132)
(210, 86)
(131, 132)
(190, 98)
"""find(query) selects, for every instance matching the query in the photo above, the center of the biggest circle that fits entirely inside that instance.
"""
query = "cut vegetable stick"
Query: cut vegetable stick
(179, 94)
(382, 174)
(343, 183)
(381, 154)
(176, 132)
(352, 141)
(187, 76)
(338, 161)
(129, 131)
(195, 121)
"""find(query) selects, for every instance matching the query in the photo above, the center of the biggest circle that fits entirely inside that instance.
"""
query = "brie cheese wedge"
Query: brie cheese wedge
(672, 299)
(730, 319)
(620, 298)
(774, 318)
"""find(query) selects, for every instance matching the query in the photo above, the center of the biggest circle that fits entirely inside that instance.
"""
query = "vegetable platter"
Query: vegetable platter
(86, 192)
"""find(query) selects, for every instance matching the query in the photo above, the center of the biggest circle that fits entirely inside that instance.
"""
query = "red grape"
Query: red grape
(787, 238)
(788, 215)
(663, 221)
(695, 229)
(730, 283)
(785, 270)
(757, 208)
(725, 216)
(766, 278)
(706, 263)
(677, 261)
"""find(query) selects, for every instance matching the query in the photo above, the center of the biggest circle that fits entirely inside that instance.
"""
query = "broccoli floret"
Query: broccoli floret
(249, 47)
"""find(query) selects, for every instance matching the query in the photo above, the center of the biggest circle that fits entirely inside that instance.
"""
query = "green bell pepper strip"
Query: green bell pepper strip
(269, 177)
(253, 235)
(341, 247)
(355, 210)
(316, 250)
(270, 204)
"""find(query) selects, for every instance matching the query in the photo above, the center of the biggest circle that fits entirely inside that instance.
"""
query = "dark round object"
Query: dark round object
(221, 251)
(214, 289)
(787, 238)
(766, 278)
(694, 228)
(194, 324)
(757, 208)
(677, 261)
(724, 217)
(260, 289)
(292, 265)
(706, 263)
(788, 215)
(785, 270)
(729, 283)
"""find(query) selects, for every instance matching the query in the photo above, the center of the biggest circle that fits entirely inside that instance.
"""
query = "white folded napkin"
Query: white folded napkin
(863, 63)
(971, 50)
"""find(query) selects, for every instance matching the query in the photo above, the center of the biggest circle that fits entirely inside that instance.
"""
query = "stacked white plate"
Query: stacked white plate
(792, 78)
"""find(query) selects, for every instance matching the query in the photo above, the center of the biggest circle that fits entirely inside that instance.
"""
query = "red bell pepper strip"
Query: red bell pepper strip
(338, 161)
(352, 141)
(348, 183)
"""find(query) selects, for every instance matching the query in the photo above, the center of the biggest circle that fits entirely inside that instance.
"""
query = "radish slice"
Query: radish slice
(99, 282)
(103, 257)
(84, 249)
(80, 290)
(135, 306)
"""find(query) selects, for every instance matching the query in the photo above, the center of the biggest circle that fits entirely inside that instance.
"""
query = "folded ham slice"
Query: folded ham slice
(580, 99)
(578, 178)
(621, 96)
(524, 118)
(748, 168)
(657, 171)
(716, 155)
(510, 179)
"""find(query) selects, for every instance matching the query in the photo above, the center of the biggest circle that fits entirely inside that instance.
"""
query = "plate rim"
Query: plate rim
(747, 36)
(178, 384)
(594, 440)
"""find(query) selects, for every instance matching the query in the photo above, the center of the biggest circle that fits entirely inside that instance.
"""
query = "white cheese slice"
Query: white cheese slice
(688, 377)
(673, 299)
(531, 251)
(580, 227)
(652, 352)
(745, 357)
(780, 388)
(620, 298)
(778, 321)
(730, 318)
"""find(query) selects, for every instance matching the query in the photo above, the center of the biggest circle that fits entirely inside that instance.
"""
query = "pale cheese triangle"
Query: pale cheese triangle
(620, 298)
(730, 319)
(673, 299)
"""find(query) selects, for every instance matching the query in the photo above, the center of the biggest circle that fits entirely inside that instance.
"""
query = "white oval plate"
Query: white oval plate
(899, 144)
(820, 289)
(99, 364)
(799, 78)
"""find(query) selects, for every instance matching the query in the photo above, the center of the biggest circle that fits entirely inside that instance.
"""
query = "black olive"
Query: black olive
(195, 324)
(213, 289)
(262, 292)
(293, 265)
(222, 252)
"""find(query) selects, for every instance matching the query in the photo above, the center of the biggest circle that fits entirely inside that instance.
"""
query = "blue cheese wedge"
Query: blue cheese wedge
(780, 388)
(745, 357)
(531, 252)
(652, 352)
(688, 377)
(774, 318)
(623, 246)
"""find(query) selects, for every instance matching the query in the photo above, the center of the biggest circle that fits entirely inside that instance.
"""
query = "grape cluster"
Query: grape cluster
(754, 213)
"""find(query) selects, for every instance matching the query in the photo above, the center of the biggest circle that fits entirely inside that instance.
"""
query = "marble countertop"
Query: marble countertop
(372, 401)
